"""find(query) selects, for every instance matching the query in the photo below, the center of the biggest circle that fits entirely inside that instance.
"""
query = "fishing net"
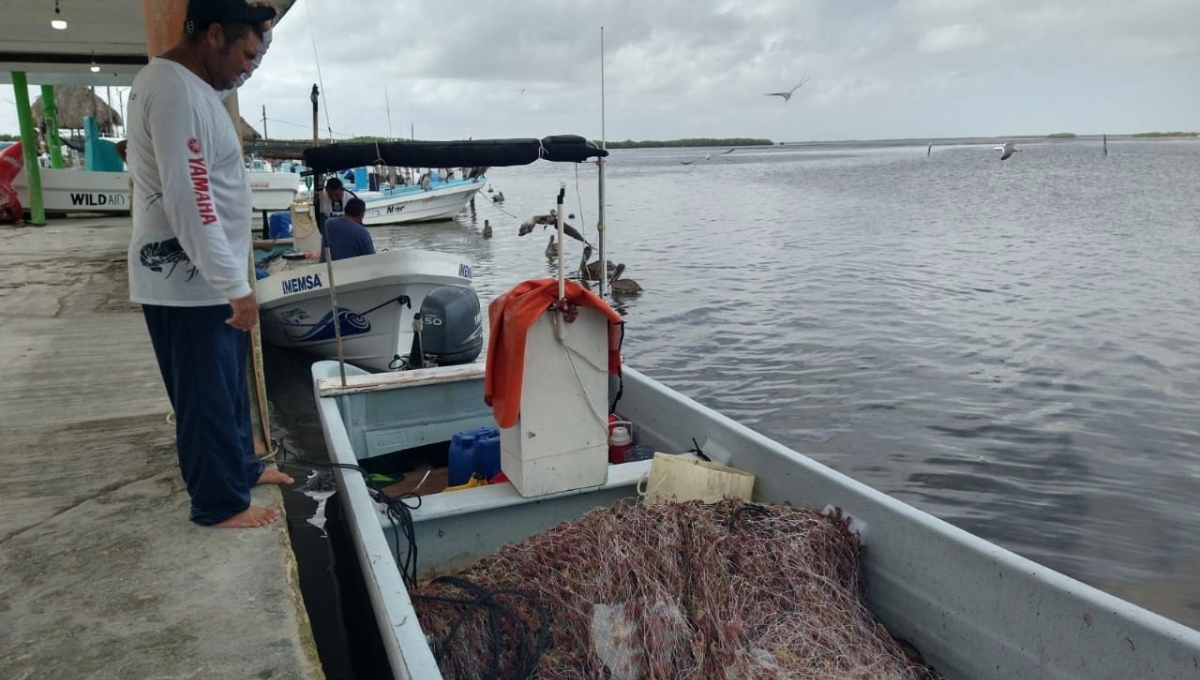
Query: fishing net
(728, 591)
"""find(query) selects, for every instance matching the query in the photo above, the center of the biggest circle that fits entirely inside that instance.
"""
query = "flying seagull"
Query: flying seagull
(787, 96)
(1008, 149)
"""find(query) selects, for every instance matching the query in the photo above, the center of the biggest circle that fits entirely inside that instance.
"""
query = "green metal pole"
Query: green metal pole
(37, 214)
(51, 117)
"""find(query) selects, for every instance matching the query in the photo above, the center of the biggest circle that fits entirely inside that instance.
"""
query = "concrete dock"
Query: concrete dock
(101, 573)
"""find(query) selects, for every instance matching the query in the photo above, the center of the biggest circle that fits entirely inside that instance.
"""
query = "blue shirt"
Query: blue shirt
(346, 238)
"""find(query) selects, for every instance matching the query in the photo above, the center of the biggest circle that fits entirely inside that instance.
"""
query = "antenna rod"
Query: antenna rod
(558, 214)
(601, 87)
(337, 316)
(600, 163)
(388, 101)
(314, 96)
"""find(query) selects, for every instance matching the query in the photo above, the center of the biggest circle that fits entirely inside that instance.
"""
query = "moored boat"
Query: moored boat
(412, 203)
(377, 297)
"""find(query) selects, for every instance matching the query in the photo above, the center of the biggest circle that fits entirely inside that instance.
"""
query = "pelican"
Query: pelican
(591, 272)
(552, 248)
(787, 96)
(498, 197)
(620, 286)
(1008, 149)
(593, 269)
(487, 229)
(548, 221)
(706, 157)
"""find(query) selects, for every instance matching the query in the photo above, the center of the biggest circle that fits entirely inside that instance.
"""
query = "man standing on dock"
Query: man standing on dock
(190, 245)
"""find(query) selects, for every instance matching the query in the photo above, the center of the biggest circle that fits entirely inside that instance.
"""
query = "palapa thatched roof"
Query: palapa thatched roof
(73, 103)
(249, 134)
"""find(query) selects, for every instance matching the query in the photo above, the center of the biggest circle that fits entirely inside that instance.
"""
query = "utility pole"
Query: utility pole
(265, 135)
(314, 97)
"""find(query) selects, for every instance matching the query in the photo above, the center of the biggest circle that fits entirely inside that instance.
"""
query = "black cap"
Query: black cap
(203, 13)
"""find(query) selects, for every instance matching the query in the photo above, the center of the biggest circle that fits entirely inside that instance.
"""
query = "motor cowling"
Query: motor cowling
(451, 328)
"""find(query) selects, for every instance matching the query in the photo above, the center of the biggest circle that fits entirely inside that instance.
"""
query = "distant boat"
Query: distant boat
(423, 197)
(412, 203)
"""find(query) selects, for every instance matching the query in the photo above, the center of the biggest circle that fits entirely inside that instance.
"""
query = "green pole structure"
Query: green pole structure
(33, 174)
(51, 116)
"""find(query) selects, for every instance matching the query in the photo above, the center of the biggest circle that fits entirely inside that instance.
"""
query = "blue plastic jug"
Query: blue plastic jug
(279, 224)
(473, 451)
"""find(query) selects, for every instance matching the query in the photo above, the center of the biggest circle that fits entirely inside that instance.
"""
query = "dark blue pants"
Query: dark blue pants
(203, 365)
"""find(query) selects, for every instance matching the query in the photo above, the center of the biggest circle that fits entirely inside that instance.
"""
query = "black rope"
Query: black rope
(399, 513)
(527, 647)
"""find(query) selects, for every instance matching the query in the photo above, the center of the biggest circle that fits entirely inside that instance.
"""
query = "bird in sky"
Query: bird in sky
(787, 96)
(1008, 149)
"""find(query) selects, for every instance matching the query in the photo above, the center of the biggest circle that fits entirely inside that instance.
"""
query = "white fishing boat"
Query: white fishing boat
(82, 191)
(971, 609)
(411, 203)
(90, 191)
(377, 297)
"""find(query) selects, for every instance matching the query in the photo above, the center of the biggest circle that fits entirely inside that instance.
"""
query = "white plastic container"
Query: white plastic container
(560, 441)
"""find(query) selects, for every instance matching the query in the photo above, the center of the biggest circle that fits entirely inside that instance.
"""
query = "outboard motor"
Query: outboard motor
(450, 329)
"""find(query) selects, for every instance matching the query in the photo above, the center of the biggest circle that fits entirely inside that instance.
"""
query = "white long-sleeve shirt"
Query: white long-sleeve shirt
(193, 208)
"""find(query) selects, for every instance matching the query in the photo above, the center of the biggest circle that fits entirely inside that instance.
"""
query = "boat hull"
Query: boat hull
(973, 609)
(413, 204)
(76, 191)
(377, 297)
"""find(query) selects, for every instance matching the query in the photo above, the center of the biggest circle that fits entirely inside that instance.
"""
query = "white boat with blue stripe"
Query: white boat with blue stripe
(376, 296)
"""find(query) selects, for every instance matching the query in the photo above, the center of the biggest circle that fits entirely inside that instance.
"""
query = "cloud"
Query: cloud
(952, 38)
(678, 68)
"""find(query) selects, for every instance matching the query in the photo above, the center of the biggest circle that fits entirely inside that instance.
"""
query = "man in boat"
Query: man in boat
(188, 253)
(333, 201)
(346, 236)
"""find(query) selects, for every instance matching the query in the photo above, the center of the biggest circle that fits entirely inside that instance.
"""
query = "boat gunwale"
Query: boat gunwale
(1111, 635)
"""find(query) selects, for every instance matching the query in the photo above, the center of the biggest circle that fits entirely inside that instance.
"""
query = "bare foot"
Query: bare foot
(271, 475)
(253, 516)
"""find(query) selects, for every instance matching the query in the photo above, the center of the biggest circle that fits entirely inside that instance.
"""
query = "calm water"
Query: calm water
(1009, 346)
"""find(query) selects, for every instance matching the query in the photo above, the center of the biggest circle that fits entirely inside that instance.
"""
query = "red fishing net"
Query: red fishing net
(731, 590)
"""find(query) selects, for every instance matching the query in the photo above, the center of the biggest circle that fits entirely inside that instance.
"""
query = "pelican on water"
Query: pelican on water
(620, 286)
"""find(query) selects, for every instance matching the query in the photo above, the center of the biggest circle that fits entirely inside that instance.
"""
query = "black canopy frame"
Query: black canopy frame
(451, 154)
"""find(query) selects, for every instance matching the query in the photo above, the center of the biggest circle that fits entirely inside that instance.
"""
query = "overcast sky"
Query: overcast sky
(696, 68)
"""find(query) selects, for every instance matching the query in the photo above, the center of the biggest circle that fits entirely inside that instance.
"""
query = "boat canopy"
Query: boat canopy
(451, 154)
